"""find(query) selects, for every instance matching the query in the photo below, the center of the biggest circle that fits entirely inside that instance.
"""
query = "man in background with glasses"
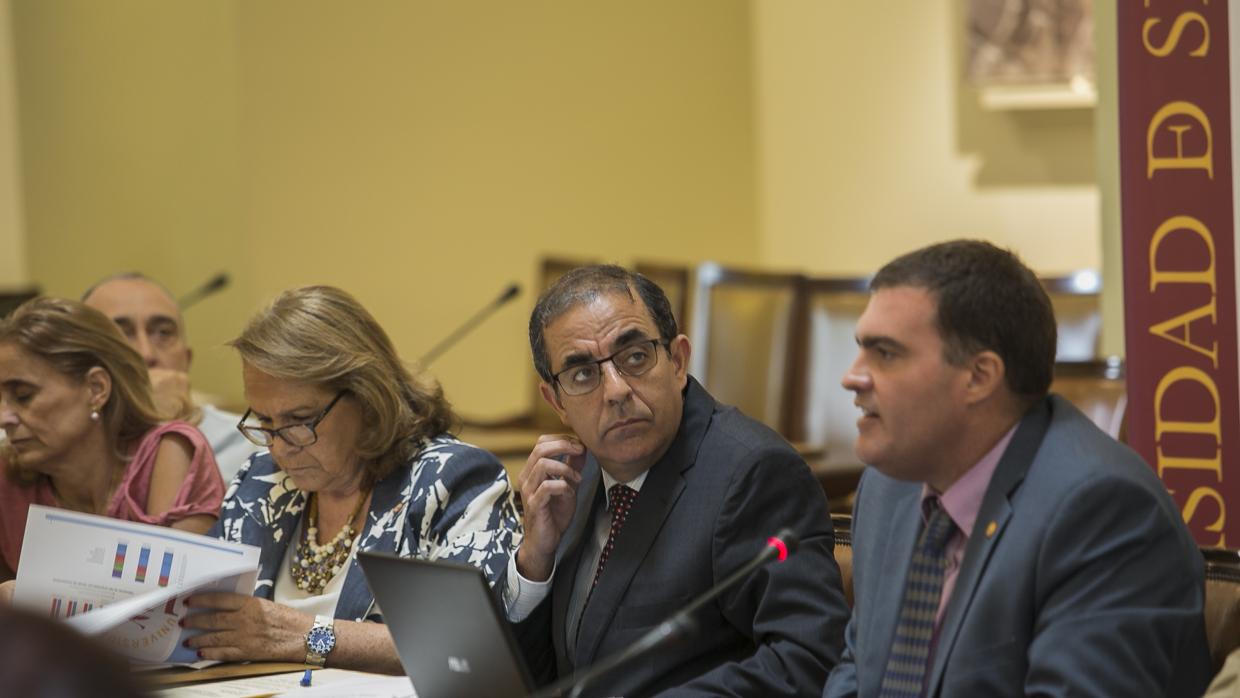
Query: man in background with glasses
(658, 494)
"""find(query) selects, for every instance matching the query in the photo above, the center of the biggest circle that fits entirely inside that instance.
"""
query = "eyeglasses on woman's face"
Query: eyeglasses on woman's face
(301, 434)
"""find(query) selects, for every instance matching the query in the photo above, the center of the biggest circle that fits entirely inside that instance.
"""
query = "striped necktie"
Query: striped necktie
(906, 664)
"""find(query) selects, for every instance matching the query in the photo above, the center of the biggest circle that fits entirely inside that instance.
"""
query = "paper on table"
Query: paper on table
(336, 683)
(123, 581)
(358, 685)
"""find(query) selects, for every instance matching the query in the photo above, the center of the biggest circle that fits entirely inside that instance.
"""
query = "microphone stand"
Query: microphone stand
(212, 286)
(681, 624)
(509, 293)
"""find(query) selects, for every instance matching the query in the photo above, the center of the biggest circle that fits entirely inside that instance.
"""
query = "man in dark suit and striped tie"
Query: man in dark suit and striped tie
(659, 494)
(1002, 544)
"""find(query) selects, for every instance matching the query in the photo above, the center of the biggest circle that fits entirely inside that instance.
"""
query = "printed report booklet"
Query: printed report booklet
(125, 582)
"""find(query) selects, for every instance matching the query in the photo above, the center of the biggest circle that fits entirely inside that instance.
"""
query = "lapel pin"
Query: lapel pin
(991, 528)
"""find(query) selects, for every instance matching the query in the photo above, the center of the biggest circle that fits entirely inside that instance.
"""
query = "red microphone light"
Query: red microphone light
(780, 546)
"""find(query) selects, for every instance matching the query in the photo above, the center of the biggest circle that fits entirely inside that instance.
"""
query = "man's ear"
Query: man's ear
(680, 351)
(98, 386)
(189, 358)
(987, 375)
(552, 397)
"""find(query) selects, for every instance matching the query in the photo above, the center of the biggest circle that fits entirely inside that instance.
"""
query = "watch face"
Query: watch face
(321, 640)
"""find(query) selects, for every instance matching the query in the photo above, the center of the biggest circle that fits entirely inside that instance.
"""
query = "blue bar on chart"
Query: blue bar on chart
(144, 556)
(118, 565)
(165, 569)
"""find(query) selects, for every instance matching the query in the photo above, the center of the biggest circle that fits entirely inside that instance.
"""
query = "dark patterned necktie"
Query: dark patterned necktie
(619, 501)
(906, 665)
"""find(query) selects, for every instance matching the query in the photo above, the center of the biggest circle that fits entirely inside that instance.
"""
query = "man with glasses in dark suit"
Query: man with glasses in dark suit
(657, 494)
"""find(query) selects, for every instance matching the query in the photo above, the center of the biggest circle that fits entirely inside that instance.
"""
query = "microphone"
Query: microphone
(213, 285)
(512, 291)
(680, 625)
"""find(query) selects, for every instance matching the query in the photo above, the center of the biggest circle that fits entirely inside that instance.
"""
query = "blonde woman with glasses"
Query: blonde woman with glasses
(359, 458)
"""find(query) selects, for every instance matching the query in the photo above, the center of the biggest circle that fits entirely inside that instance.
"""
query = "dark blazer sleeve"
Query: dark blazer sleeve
(842, 681)
(1110, 621)
(794, 611)
(534, 637)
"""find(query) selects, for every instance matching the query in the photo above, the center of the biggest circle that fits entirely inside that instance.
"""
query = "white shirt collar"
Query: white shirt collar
(635, 483)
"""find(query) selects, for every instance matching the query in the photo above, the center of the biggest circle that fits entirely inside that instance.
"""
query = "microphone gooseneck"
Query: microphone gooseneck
(508, 294)
(512, 291)
(212, 286)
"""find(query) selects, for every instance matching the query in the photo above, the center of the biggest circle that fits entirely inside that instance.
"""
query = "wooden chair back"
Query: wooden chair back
(744, 337)
(675, 282)
(1098, 389)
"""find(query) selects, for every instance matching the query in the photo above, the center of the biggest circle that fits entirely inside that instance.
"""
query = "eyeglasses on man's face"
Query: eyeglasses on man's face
(632, 361)
(302, 434)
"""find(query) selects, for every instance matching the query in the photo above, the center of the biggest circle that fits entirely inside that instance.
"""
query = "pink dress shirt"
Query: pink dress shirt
(202, 491)
(962, 501)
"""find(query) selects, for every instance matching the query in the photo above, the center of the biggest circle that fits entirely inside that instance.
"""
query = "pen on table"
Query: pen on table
(305, 678)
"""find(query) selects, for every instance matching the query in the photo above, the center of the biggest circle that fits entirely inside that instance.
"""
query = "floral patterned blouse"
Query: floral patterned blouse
(451, 502)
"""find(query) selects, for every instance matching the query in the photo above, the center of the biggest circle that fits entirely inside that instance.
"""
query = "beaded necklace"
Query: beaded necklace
(313, 566)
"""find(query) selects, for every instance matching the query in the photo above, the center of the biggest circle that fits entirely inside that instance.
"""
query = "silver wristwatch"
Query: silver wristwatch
(321, 640)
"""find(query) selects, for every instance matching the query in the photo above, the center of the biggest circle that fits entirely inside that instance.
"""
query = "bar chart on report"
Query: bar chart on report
(141, 570)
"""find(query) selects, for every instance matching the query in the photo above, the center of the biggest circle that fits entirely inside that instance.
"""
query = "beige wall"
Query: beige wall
(12, 235)
(1106, 124)
(421, 155)
(130, 151)
(870, 144)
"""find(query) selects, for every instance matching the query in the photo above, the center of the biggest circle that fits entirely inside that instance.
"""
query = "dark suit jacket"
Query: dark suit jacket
(725, 485)
(1088, 585)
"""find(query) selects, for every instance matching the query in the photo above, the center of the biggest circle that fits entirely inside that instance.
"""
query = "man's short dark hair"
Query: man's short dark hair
(987, 299)
(584, 284)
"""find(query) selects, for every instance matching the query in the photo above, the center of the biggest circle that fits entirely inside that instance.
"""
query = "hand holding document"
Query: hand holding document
(125, 582)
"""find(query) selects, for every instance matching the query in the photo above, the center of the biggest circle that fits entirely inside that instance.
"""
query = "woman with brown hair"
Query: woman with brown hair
(83, 432)
(360, 458)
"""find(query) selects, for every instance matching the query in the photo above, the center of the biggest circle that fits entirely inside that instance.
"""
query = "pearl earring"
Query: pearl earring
(94, 415)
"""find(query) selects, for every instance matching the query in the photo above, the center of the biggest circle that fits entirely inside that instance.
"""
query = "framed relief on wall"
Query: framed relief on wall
(1031, 47)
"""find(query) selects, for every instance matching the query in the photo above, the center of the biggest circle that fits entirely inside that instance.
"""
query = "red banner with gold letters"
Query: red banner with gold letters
(1179, 255)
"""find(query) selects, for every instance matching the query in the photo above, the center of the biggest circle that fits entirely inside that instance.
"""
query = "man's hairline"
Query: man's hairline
(592, 296)
(179, 317)
(954, 353)
(629, 337)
